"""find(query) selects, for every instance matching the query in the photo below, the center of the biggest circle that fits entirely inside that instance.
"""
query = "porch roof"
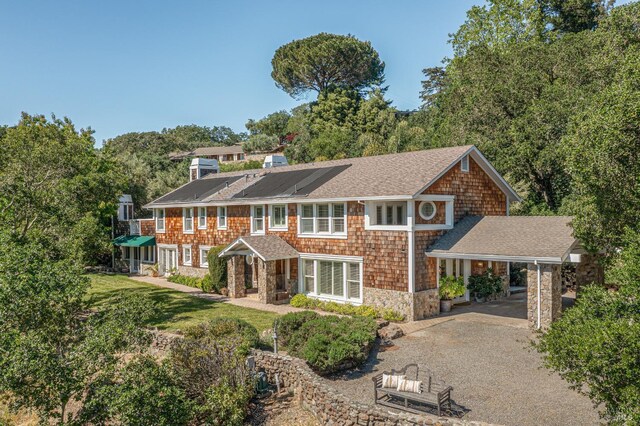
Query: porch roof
(544, 239)
(135, 241)
(266, 247)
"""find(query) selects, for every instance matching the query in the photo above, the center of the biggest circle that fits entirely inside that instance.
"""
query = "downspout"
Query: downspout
(539, 294)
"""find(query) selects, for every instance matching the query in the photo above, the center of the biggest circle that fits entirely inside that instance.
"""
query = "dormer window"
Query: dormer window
(464, 164)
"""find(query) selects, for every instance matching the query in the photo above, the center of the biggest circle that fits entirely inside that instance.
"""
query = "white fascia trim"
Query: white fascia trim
(233, 202)
(403, 228)
(435, 197)
(485, 165)
(336, 257)
(432, 227)
(494, 257)
(325, 236)
(324, 297)
(250, 248)
(167, 246)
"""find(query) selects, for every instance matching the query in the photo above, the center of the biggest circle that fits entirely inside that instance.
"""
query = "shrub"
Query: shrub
(302, 301)
(221, 330)
(485, 285)
(330, 343)
(217, 268)
(391, 315)
(290, 323)
(451, 287)
(185, 280)
(226, 405)
(366, 311)
(206, 284)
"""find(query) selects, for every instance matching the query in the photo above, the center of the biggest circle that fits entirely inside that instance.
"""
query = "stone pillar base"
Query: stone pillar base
(266, 280)
(550, 294)
(235, 277)
(414, 306)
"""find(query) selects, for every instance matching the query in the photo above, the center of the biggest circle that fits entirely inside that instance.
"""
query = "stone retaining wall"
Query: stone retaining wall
(331, 407)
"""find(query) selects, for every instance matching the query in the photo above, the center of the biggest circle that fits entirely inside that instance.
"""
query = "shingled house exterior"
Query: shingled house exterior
(362, 231)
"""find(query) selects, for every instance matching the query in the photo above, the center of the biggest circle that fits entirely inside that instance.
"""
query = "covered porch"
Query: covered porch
(544, 244)
(136, 251)
(264, 265)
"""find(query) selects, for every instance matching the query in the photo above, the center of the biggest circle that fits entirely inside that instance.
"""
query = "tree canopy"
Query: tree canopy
(323, 61)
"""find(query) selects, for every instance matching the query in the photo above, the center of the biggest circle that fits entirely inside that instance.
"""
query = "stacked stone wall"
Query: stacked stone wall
(330, 406)
(550, 294)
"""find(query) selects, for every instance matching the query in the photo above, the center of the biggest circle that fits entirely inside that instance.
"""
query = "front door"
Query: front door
(167, 260)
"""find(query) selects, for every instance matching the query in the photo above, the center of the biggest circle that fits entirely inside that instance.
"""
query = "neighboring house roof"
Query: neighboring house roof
(266, 247)
(393, 176)
(207, 151)
(547, 239)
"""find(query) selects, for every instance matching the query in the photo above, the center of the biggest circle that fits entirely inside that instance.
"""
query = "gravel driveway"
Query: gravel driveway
(494, 373)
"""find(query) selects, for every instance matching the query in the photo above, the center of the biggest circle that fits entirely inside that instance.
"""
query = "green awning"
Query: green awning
(135, 241)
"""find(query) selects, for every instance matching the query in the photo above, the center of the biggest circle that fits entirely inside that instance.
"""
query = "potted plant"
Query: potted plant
(450, 288)
(485, 285)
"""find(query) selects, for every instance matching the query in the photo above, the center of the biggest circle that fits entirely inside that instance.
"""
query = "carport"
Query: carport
(544, 243)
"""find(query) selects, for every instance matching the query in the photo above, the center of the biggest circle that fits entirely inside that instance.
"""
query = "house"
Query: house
(377, 230)
(134, 238)
(220, 153)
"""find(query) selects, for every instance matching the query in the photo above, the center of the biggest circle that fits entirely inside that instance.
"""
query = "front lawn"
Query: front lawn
(177, 311)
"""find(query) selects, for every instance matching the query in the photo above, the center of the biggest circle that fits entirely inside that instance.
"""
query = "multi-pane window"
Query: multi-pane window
(160, 220)
(202, 218)
(322, 218)
(187, 219)
(258, 219)
(148, 254)
(222, 217)
(333, 279)
(204, 261)
(389, 213)
(186, 255)
(279, 216)
(309, 275)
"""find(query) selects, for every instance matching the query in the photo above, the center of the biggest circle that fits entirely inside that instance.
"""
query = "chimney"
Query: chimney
(200, 167)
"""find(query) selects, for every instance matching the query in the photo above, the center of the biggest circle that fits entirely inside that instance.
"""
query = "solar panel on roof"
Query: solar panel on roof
(198, 189)
(294, 183)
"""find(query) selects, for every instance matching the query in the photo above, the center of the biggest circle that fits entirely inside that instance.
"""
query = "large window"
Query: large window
(202, 218)
(278, 216)
(159, 220)
(148, 254)
(323, 219)
(257, 219)
(222, 217)
(187, 219)
(389, 213)
(332, 279)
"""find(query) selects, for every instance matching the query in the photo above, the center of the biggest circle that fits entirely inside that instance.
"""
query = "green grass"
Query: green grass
(176, 311)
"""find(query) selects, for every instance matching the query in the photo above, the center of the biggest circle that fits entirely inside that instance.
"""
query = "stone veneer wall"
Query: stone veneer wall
(588, 271)
(550, 294)
(413, 306)
(191, 271)
(331, 407)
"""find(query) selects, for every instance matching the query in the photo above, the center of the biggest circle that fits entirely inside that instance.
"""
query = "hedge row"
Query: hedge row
(302, 301)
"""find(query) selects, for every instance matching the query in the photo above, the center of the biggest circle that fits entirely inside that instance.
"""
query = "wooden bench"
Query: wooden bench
(434, 393)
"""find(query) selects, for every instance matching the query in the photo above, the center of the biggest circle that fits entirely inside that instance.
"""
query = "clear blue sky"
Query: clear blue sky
(121, 66)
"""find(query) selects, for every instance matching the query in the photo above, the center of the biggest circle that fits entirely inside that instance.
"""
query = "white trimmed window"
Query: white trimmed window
(148, 254)
(323, 219)
(427, 210)
(187, 219)
(159, 220)
(332, 279)
(464, 164)
(278, 216)
(222, 217)
(204, 252)
(202, 218)
(389, 213)
(257, 219)
(186, 255)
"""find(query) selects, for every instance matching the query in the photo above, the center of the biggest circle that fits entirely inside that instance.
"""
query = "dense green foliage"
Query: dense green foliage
(326, 61)
(55, 185)
(486, 284)
(217, 268)
(302, 301)
(451, 287)
(205, 283)
(222, 330)
(289, 323)
(330, 343)
(53, 350)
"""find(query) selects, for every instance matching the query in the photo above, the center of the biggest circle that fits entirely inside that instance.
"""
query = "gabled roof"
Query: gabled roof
(547, 239)
(393, 176)
(266, 247)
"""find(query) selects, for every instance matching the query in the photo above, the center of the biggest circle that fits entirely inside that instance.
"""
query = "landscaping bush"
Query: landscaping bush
(484, 285)
(185, 280)
(330, 343)
(290, 323)
(302, 301)
(206, 284)
(217, 268)
(451, 287)
(222, 330)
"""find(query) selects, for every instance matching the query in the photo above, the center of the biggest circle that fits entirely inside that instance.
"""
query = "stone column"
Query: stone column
(550, 294)
(266, 280)
(235, 277)
(588, 271)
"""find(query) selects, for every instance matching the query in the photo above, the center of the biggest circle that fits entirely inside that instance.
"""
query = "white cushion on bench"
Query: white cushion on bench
(391, 380)
(405, 385)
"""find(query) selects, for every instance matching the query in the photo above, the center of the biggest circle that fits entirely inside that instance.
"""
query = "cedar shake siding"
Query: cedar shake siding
(475, 194)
